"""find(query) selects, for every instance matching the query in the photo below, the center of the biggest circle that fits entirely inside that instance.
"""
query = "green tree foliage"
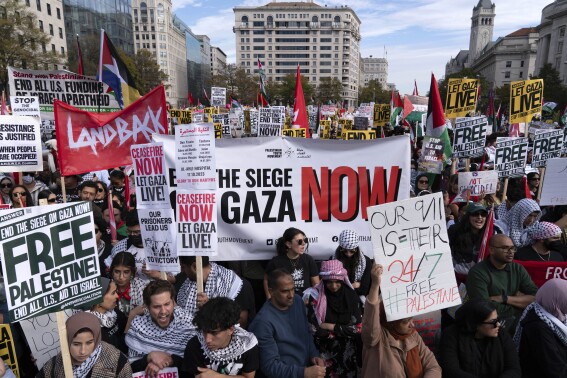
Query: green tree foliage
(553, 88)
(373, 92)
(149, 73)
(468, 73)
(22, 40)
(329, 89)
(284, 92)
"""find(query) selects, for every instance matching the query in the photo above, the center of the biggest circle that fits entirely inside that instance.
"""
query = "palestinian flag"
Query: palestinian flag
(396, 107)
(435, 124)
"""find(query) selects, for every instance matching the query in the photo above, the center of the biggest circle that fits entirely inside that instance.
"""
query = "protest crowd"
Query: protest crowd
(500, 309)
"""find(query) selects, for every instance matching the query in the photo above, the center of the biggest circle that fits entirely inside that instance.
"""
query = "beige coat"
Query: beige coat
(385, 357)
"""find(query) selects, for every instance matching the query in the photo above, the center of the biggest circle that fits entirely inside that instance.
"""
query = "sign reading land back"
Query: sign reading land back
(49, 258)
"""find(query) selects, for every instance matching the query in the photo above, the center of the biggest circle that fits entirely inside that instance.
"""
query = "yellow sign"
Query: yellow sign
(359, 134)
(461, 97)
(8, 349)
(325, 125)
(183, 116)
(218, 130)
(526, 99)
(296, 133)
(381, 114)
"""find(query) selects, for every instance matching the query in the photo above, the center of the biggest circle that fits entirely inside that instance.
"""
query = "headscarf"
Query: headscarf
(415, 189)
(550, 307)
(544, 230)
(516, 217)
(74, 324)
(348, 239)
(107, 319)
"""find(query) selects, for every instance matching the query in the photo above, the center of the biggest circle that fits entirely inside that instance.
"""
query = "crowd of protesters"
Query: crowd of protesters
(309, 318)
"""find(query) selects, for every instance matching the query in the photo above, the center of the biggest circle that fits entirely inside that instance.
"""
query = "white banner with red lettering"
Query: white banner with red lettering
(93, 141)
(321, 187)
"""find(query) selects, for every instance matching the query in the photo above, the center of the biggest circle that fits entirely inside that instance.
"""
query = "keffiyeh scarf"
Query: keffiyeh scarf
(221, 282)
(558, 328)
(240, 342)
(107, 320)
(516, 217)
(144, 336)
(82, 370)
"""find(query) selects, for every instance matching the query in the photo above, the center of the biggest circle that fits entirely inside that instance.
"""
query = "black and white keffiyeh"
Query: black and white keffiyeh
(107, 320)
(516, 217)
(221, 282)
(83, 370)
(558, 328)
(360, 268)
(144, 336)
(241, 342)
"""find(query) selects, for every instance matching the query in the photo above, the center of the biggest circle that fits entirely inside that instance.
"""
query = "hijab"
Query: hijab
(75, 323)
(516, 217)
(552, 296)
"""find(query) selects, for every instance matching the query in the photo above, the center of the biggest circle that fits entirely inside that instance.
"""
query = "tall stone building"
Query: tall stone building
(218, 60)
(324, 41)
(552, 46)
(374, 69)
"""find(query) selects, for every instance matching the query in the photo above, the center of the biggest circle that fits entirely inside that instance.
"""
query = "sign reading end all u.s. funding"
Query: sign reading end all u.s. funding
(49, 258)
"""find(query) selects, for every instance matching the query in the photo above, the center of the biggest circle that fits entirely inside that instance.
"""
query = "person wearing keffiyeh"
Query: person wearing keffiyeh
(541, 336)
(521, 217)
(221, 345)
(90, 357)
(354, 261)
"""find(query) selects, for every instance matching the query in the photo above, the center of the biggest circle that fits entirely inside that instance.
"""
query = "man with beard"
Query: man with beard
(501, 280)
(545, 246)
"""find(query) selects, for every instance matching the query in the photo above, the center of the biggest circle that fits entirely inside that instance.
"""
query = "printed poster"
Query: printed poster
(159, 235)
(152, 190)
(20, 144)
(196, 212)
(195, 165)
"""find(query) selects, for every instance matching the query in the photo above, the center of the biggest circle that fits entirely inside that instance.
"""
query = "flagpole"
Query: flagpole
(99, 97)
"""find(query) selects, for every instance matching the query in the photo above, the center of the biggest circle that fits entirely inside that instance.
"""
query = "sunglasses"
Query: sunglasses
(344, 250)
(494, 322)
(100, 190)
(302, 241)
(52, 200)
(481, 213)
(17, 194)
(6, 185)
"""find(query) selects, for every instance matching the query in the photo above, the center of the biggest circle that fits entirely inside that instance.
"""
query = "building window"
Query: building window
(559, 47)
(508, 63)
(521, 74)
(507, 74)
(28, 3)
(522, 63)
(53, 47)
(51, 29)
(62, 50)
(38, 5)
(144, 12)
(562, 32)
(40, 25)
(60, 33)
(49, 9)
(58, 13)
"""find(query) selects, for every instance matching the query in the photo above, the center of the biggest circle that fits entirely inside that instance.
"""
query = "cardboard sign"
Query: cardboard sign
(470, 137)
(195, 165)
(547, 145)
(526, 99)
(409, 238)
(270, 121)
(196, 212)
(359, 134)
(554, 183)
(151, 181)
(218, 96)
(482, 182)
(20, 144)
(461, 97)
(511, 155)
(8, 349)
(159, 234)
(49, 258)
(381, 114)
(25, 106)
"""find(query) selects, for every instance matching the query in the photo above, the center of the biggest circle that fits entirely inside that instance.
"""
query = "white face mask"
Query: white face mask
(27, 180)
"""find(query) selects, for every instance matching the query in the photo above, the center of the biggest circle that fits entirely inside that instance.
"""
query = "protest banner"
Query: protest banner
(461, 97)
(409, 239)
(510, 157)
(526, 99)
(218, 96)
(195, 165)
(170, 372)
(25, 106)
(328, 110)
(547, 145)
(43, 336)
(431, 159)
(196, 212)
(428, 325)
(359, 134)
(89, 142)
(481, 182)
(381, 114)
(181, 116)
(360, 123)
(470, 137)
(325, 125)
(366, 111)
(159, 235)
(49, 258)
(554, 183)
(20, 149)
(8, 349)
(152, 189)
(564, 149)
(270, 121)
(299, 183)
(295, 133)
(543, 271)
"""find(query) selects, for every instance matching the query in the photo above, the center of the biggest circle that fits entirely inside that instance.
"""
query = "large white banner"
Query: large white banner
(410, 240)
(554, 183)
(322, 187)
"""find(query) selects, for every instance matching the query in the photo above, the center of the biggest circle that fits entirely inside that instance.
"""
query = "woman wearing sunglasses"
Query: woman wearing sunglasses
(101, 193)
(21, 197)
(6, 184)
(357, 265)
(291, 249)
(476, 345)
(48, 196)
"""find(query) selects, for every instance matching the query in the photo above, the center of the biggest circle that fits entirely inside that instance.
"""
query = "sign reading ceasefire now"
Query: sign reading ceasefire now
(461, 97)
(526, 99)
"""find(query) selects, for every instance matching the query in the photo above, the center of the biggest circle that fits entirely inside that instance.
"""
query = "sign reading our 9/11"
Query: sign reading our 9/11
(510, 158)
(469, 137)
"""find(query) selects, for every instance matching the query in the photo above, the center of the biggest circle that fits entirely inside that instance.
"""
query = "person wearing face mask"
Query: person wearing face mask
(545, 246)
(117, 181)
(33, 186)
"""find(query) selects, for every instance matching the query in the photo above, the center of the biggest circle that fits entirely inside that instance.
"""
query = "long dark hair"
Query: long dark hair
(472, 313)
(462, 239)
(29, 199)
(287, 236)
(125, 259)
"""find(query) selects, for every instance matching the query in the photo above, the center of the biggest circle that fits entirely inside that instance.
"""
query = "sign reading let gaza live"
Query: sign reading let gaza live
(461, 97)
(49, 258)
(526, 99)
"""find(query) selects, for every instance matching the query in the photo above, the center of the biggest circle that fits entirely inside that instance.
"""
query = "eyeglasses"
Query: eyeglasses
(509, 249)
(18, 194)
(481, 213)
(134, 233)
(9, 185)
(302, 241)
(494, 322)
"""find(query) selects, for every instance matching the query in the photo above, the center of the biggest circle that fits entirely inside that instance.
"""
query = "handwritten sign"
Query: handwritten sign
(511, 155)
(526, 99)
(478, 182)
(470, 137)
(159, 235)
(547, 145)
(554, 183)
(409, 238)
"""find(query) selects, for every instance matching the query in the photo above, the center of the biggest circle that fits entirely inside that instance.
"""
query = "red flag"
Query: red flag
(79, 57)
(94, 141)
(206, 95)
(111, 220)
(488, 230)
(526, 187)
(408, 106)
(190, 99)
(300, 119)
(261, 100)
(415, 92)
